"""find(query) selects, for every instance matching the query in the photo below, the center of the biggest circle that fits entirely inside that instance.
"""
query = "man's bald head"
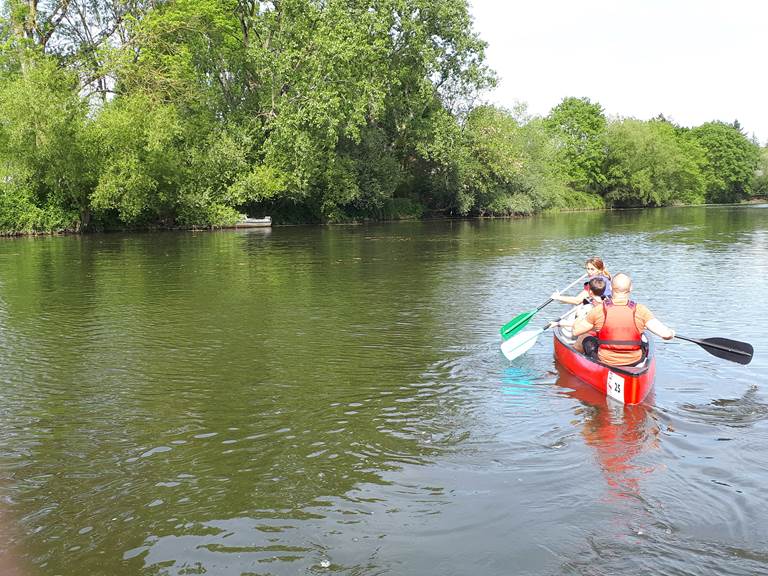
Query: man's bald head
(621, 283)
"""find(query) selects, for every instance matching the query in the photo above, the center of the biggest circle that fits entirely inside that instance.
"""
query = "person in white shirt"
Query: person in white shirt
(595, 290)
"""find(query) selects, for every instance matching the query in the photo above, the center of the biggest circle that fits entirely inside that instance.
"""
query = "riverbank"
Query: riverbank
(267, 222)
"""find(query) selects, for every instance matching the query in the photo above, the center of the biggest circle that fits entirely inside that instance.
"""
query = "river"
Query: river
(332, 400)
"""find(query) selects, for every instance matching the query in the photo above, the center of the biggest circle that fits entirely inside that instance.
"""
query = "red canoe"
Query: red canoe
(627, 384)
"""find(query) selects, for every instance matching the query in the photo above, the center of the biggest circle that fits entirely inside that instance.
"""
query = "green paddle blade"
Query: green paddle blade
(516, 324)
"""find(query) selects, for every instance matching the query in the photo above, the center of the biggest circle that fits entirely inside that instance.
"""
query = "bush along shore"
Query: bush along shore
(187, 113)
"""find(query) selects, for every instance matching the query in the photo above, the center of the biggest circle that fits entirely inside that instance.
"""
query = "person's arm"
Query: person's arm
(660, 329)
(582, 326)
(578, 299)
(592, 321)
(568, 319)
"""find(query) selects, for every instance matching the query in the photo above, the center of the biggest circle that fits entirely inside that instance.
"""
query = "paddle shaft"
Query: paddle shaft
(547, 325)
(712, 345)
(571, 285)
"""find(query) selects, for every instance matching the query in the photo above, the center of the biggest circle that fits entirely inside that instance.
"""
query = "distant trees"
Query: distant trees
(578, 129)
(760, 182)
(731, 161)
(511, 165)
(188, 111)
(44, 173)
(651, 164)
(135, 113)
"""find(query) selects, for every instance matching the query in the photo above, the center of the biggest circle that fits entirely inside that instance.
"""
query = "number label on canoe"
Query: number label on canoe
(614, 386)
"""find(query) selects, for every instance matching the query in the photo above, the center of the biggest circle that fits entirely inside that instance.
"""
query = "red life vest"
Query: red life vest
(619, 331)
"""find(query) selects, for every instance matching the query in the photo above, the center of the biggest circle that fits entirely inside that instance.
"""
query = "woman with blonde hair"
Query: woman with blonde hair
(595, 269)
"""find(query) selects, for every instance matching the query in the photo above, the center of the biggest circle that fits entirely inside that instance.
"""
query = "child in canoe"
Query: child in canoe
(595, 292)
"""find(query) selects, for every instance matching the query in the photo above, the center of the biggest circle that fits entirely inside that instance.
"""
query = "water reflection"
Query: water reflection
(619, 434)
(12, 562)
(327, 399)
(517, 381)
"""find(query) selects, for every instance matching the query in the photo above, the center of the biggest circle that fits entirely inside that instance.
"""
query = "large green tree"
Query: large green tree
(44, 177)
(189, 110)
(311, 82)
(651, 164)
(578, 126)
(760, 182)
(731, 161)
(509, 165)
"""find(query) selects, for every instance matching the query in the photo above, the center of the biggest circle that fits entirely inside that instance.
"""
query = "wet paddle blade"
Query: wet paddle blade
(516, 324)
(520, 343)
(727, 349)
(733, 350)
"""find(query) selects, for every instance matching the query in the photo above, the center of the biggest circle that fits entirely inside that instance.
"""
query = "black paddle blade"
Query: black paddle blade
(733, 350)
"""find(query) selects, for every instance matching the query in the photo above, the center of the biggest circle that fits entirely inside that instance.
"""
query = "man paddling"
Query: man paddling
(619, 324)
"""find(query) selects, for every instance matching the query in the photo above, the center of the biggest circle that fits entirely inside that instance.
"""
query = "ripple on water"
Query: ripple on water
(334, 400)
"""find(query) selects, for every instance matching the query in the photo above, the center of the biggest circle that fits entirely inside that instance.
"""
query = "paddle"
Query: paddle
(520, 343)
(521, 320)
(732, 350)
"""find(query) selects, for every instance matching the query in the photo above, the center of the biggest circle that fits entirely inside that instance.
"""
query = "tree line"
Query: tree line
(144, 113)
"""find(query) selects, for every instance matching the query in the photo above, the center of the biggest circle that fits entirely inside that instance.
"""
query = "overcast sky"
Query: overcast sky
(692, 60)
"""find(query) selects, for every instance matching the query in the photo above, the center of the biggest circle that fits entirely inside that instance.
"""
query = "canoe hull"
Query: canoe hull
(627, 384)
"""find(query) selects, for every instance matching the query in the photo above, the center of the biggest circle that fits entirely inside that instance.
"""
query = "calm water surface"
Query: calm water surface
(333, 401)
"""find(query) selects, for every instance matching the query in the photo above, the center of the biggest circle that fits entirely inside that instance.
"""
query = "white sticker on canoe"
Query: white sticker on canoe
(614, 386)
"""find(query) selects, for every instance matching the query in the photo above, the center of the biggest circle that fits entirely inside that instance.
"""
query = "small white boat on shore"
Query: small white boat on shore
(246, 222)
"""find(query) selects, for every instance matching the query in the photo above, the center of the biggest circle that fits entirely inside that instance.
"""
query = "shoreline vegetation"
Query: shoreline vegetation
(362, 222)
(136, 115)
